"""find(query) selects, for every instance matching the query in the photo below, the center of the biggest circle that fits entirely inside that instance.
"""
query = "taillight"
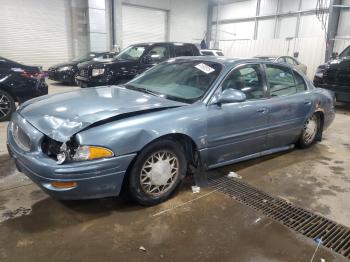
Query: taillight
(27, 74)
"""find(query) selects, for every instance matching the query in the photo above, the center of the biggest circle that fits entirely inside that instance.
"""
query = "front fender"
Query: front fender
(130, 135)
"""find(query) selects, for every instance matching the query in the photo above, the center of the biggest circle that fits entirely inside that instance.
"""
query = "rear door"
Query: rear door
(290, 104)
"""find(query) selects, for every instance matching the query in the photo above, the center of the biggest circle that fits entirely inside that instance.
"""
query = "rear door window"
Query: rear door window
(281, 80)
(183, 50)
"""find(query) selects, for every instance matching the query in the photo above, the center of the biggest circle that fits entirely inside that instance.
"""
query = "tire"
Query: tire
(157, 172)
(7, 106)
(311, 131)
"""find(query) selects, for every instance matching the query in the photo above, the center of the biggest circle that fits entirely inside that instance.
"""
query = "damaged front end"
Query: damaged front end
(71, 151)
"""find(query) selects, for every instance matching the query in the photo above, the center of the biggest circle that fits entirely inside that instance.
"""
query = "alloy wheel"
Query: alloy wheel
(5, 106)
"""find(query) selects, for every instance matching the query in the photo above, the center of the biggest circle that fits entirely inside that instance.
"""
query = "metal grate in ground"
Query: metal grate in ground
(333, 235)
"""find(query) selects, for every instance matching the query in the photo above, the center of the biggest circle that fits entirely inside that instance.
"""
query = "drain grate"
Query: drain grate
(333, 235)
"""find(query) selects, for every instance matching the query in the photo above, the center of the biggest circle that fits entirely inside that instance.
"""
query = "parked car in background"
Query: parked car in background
(335, 75)
(286, 59)
(211, 52)
(18, 83)
(132, 61)
(144, 135)
(66, 72)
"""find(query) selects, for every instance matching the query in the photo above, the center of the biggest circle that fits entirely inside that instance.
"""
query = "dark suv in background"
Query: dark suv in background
(66, 72)
(130, 62)
(335, 75)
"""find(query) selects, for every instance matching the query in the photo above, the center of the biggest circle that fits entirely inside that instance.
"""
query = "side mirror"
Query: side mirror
(231, 95)
(334, 55)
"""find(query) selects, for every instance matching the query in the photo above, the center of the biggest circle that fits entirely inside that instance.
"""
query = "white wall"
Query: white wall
(187, 18)
(281, 36)
(311, 49)
(41, 32)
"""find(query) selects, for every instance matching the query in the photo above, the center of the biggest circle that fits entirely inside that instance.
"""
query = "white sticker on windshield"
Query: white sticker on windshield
(205, 68)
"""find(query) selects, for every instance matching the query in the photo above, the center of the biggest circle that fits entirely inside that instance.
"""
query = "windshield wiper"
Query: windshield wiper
(144, 90)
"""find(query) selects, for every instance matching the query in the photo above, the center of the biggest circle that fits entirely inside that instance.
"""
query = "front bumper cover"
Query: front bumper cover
(95, 179)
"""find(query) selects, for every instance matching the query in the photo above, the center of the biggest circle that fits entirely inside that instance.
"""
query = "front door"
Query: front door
(238, 129)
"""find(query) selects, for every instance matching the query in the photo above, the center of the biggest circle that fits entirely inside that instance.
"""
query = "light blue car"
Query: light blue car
(201, 112)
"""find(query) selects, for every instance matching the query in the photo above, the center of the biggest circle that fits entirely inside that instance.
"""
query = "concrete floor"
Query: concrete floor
(34, 227)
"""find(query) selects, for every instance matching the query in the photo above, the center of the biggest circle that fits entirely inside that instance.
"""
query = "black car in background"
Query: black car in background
(66, 72)
(18, 83)
(335, 75)
(130, 62)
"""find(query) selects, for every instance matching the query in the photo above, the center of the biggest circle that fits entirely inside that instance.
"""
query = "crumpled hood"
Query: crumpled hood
(60, 116)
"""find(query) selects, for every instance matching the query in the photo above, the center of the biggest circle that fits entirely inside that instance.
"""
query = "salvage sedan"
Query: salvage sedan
(200, 112)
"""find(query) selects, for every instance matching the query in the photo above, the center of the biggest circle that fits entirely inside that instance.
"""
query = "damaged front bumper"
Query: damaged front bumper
(91, 179)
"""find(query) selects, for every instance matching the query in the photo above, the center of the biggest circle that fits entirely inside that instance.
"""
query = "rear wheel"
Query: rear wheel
(7, 106)
(310, 131)
(157, 172)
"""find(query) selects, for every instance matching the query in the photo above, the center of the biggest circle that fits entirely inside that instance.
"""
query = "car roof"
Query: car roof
(172, 43)
(227, 61)
(211, 50)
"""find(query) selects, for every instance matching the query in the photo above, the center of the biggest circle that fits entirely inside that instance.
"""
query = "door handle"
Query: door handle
(307, 102)
(262, 110)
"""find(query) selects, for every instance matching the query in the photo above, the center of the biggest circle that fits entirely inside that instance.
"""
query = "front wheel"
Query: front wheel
(7, 106)
(157, 172)
(310, 131)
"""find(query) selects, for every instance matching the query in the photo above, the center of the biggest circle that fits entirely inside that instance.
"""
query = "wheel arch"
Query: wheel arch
(320, 113)
(190, 148)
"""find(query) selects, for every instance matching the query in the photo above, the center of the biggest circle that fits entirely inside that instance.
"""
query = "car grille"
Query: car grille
(84, 72)
(21, 138)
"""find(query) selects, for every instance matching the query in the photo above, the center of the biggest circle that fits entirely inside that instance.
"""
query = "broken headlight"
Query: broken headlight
(82, 153)
(97, 72)
(71, 151)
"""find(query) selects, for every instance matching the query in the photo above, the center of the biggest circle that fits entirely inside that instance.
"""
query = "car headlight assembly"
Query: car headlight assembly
(98, 71)
(83, 153)
(65, 68)
(319, 71)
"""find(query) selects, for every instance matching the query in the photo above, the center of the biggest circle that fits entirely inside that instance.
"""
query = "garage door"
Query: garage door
(35, 32)
(143, 25)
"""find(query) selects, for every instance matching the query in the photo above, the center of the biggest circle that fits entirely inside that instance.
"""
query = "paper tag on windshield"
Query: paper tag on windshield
(205, 68)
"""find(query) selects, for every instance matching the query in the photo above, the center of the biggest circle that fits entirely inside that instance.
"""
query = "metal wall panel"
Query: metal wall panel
(140, 24)
(266, 29)
(241, 30)
(36, 32)
(268, 7)
(310, 26)
(236, 10)
(311, 50)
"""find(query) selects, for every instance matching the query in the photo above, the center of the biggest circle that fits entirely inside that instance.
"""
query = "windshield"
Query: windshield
(132, 53)
(345, 53)
(85, 57)
(184, 81)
